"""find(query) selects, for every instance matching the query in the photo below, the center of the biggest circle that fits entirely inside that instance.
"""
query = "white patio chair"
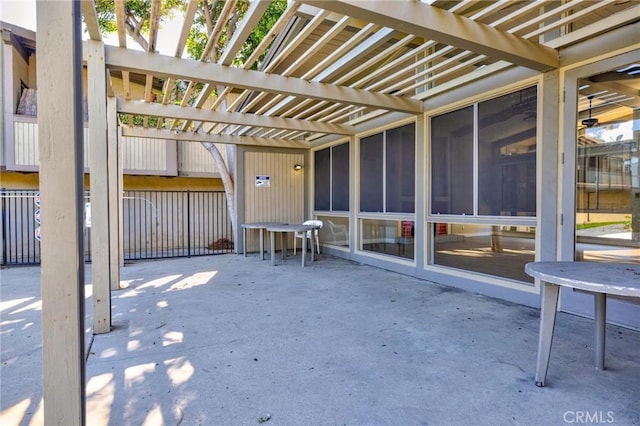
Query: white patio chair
(307, 234)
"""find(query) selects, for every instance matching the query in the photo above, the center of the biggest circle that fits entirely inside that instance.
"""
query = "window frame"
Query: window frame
(369, 214)
(432, 218)
(331, 181)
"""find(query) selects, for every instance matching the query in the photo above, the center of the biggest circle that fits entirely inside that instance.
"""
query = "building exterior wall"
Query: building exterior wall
(149, 156)
(546, 230)
(141, 156)
(195, 160)
(281, 200)
(21, 73)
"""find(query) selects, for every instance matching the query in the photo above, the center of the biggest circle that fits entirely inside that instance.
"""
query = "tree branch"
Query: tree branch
(133, 29)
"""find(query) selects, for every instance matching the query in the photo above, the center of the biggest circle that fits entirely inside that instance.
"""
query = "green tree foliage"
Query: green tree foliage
(138, 15)
(204, 21)
(273, 12)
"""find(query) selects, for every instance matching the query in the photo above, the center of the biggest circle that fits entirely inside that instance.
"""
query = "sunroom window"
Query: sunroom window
(483, 158)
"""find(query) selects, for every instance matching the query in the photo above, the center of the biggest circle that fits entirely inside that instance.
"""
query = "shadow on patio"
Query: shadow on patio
(233, 340)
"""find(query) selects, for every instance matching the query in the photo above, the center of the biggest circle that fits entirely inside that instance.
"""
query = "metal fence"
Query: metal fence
(19, 243)
(160, 224)
(156, 224)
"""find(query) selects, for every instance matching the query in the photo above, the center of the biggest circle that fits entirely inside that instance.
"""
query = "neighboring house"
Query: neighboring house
(156, 174)
(151, 158)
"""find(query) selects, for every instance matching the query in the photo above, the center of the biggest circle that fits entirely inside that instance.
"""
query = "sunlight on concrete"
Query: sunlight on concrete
(201, 278)
(109, 353)
(179, 370)
(154, 417)
(467, 253)
(9, 322)
(172, 337)
(38, 417)
(14, 415)
(35, 306)
(159, 282)
(133, 345)
(88, 291)
(135, 375)
(151, 284)
(100, 394)
(8, 304)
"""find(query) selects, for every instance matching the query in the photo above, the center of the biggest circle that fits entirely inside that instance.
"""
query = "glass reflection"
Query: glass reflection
(335, 231)
(392, 237)
(488, 249)
(607, 178)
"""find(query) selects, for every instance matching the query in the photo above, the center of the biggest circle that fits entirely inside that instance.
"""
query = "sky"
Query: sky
(23, 14)
(19, 12)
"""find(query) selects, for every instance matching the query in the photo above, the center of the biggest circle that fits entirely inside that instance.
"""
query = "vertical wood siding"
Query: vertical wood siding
(139, 153)
(282, 201)
(194, 158)
(27, 150)
(144, 154)
(25, 135)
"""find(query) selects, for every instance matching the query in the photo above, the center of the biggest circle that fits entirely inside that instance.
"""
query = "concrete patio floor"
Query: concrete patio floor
(229, 340)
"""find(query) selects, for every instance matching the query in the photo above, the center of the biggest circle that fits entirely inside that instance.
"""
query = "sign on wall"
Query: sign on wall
(262, 181)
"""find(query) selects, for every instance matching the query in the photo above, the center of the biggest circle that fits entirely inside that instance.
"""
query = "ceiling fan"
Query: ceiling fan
(590, 122)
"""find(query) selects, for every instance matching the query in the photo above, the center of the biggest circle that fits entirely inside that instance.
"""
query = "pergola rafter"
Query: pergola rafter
(434, 23)
(181, 113)
(134, 61)
(347, 61)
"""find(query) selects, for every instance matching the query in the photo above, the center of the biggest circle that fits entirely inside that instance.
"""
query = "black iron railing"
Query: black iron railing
(156, 224)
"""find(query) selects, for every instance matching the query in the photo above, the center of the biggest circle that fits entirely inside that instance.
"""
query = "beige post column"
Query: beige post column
(115, 193)
(547, 173)
(99, 178)
(60, 137)
(120, 155)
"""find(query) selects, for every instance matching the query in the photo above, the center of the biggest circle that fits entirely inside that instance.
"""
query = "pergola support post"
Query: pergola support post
(100, 190)
(120, 155)
(115, 193)
(60, 136)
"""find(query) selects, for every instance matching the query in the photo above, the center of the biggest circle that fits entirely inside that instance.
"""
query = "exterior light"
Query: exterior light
(297, 167)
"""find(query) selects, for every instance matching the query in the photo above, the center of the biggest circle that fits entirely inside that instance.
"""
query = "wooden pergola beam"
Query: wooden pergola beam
(182, 113)
(417, 18)
(91, 19)
(165, 134)
(141, 62)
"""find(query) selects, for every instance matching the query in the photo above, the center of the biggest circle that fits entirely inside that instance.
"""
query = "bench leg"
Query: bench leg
(273, 248)
(283, 244)
(304, 249)
(547, 323)
(261, 243)
(600, 320)
(244, 241)
(313, 258)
